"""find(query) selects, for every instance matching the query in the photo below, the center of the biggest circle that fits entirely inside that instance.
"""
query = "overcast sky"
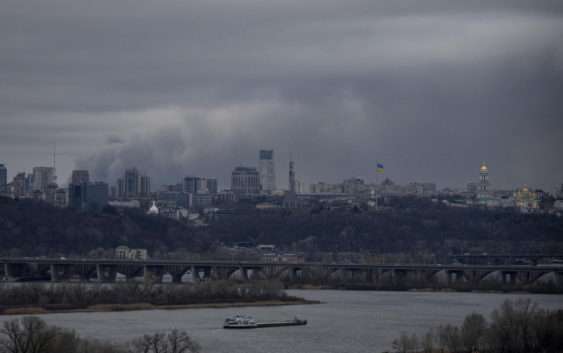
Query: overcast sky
(178, 87)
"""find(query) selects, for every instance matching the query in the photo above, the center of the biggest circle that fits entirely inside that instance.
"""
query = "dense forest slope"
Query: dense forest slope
(406, 225)
(35, 228)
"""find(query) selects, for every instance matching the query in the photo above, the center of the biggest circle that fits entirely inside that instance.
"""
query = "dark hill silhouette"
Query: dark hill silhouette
(408, 225)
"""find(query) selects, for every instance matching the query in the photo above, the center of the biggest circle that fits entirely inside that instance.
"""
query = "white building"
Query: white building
(124, 252)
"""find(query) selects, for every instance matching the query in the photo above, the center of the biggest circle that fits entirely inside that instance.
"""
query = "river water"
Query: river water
(347, 322)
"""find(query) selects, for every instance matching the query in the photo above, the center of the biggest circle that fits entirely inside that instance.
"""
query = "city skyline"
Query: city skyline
(432, 89)
(480, 181)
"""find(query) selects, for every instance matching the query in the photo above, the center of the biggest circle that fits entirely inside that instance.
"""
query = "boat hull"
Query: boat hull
(266, 325)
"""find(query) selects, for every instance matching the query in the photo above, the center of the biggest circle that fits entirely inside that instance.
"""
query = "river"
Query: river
(347, 322)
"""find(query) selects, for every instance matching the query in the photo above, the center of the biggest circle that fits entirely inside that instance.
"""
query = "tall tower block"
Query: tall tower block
(291, 177)
(267, 171)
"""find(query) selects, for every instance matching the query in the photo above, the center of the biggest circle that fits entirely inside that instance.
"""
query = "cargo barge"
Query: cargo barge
(247, 322)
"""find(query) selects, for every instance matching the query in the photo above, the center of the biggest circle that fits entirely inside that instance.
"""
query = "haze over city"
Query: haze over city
(431, 89)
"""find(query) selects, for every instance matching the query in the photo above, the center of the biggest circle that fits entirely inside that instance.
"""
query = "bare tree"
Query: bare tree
(27, 335)
(174, 342)
(473, 331)
(180, 342)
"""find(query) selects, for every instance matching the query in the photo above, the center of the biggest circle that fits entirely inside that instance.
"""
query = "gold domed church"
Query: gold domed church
(484, 195)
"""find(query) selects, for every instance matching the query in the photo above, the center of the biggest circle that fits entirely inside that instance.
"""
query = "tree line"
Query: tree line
(516, 327)
(78, 296)
(32, 335)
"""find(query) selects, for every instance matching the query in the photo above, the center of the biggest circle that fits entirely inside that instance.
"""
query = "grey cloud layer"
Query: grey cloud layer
(430, 87)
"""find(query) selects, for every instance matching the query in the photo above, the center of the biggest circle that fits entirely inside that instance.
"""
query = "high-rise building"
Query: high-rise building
(88, 195)
(97, 195)
(19, 186)
(199, 185)
(212, 185)
(291, 200)
(133, 185)
(77, 189)
(43, 177)
(131, 180)
(267, 171)
(190, 184)
(3, 179)
(245, 181)
(291, 177)
(50, 193)
(144, 185)
(80, 177)
(61, 199)
(121, 188)
(77, 196)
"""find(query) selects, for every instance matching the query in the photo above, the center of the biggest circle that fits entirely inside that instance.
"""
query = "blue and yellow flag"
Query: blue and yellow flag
(380, 168)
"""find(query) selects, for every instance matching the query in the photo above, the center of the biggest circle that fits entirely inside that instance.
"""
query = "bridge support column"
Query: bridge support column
(508, 277)
(213, 273)
(53, 271)
(147, 276)
(451, 277)
(369, 276)
(195, 275)
(7, 274)
(291, 274)
(243, 273)
(99, 277)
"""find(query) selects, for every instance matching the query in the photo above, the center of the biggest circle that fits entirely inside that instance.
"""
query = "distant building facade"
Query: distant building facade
(200, 185)
(80, 177)
(133, 185)
(526, 200)
(266, 168)
(43, 177)
(245, 182)
(61, 199)
(20, 186)
(3, 180)
(83, 194)
(124, 252)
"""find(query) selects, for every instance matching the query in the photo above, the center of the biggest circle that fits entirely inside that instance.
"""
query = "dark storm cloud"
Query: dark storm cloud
(432, 88)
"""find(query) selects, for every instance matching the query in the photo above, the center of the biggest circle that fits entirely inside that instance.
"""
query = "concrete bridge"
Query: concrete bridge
(503, 259)
(116, 270)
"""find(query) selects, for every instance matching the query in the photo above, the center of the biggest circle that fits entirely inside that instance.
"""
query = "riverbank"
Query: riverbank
(548, 288)
(58, 309)
(34, 299)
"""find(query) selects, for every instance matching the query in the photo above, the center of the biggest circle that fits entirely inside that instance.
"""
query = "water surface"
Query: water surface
(348, 322)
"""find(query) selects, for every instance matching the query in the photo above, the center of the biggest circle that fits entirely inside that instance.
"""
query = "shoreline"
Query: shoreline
(420, 290)
(38, 310)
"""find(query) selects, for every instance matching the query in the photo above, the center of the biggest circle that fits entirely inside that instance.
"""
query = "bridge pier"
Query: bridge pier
(243, 273)
(53, 271)
(7, 274)
(147, 275)
(99, 276)
(508, 277)
(454, 277)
